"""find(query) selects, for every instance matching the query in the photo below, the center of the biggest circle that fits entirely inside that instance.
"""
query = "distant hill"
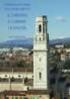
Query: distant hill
(28, 42)
(25, 42)
(60, 41)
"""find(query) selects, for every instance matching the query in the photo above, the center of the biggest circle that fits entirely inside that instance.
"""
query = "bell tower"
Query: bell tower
(40, 54)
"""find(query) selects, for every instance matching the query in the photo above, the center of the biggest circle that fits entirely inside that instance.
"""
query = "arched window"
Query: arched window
(40, 75)
(19, 76)
(39, 38)
(40, 28)
(40, 59)
(5, 75)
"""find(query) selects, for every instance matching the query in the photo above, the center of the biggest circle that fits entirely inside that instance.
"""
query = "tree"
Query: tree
(67, 64)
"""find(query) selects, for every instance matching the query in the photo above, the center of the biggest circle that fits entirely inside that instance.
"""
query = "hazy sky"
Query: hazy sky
(57, 11)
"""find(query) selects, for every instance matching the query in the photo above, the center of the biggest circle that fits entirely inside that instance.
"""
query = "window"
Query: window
(12, 79)
(5, 75)
(39, 28)
(40, 75)
(39, 39)
(19, 76)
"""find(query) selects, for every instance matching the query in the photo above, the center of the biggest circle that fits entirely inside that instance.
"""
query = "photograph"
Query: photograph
(34, 49)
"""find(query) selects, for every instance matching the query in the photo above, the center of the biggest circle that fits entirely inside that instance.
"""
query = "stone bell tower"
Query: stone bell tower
(40, 54)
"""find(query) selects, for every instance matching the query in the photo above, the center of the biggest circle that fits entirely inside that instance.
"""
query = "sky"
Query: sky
(57, 12)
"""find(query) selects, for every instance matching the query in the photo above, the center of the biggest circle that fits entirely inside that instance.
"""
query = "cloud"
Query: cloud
(60, 18)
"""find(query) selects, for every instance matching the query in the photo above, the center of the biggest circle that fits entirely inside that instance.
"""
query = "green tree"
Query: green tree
(67, 64)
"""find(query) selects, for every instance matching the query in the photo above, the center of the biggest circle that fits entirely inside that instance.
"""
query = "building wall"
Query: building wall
(13, 86)
(18, 84)
(16, 74)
